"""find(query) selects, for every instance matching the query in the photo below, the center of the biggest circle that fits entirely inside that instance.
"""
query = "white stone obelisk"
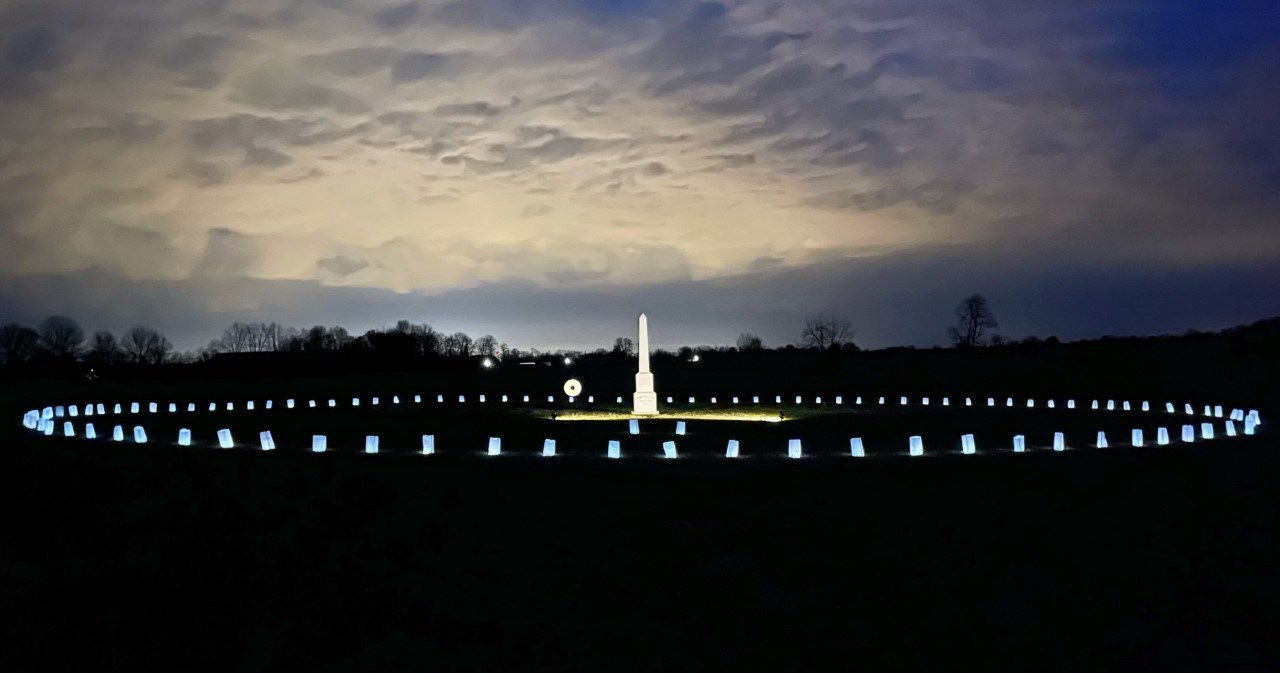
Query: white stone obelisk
(645, 400)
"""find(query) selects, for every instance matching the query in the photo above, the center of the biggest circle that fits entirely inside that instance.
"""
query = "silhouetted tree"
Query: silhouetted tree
(973, 320)
(254, 337)
(486, 345)
(749, 342)
(145, 345)
(392, 342)
(425, 340)
(338, 338)
(61, 336)
(104, 349)
(624, 346)
(236, 338)
(360, 343)
(319, 338)
(18, 344)
(272, 337)
(824, 331)
(201, 354)
(457, 344)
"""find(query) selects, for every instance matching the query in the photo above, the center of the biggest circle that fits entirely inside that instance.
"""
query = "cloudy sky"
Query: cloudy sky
(544, 170)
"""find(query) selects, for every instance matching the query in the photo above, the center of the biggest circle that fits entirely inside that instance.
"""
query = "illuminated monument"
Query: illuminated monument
(645, 401)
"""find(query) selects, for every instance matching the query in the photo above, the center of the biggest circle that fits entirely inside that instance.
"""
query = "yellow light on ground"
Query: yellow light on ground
(756, 417)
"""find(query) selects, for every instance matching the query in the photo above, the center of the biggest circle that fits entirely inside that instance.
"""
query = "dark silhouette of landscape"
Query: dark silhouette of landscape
(130, 557)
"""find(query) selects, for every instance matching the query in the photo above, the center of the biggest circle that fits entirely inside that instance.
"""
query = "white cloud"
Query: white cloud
(444, 145)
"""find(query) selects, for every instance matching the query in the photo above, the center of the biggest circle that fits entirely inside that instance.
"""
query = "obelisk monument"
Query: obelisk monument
(645, 401)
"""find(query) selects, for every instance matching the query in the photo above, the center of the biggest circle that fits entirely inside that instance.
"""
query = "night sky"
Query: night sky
(543, 171)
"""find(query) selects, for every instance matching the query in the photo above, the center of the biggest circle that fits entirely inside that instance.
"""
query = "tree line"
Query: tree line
(60, 338)
(405, 338)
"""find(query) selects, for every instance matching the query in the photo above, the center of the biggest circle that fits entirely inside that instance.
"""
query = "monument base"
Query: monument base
(644, 382)
(645, 404)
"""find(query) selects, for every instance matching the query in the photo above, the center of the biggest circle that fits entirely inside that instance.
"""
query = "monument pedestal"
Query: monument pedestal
(644, 401)
(645, 404)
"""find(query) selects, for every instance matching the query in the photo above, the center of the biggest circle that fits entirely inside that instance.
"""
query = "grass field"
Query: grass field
(118, 556)
(125, 557)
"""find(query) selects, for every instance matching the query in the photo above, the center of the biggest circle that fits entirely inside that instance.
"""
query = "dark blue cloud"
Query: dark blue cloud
(1189, 46)
(617, 9)
(396, 17)
(27, 53)
(1258, 153)
(33, 49)
(195, 58)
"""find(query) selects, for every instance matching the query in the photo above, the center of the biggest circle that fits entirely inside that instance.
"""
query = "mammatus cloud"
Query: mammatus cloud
(435, 148)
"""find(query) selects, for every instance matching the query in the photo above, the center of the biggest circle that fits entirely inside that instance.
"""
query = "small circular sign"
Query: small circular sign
(573, 387)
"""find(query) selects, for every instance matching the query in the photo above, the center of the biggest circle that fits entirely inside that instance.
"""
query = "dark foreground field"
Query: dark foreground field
(118, 557)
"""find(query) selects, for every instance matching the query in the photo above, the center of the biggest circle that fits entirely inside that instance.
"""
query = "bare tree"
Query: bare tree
(201, 354)
(268, 337)
(145, 345)
(448, 346)
(321, 338)
(624, 345)
(338, 338)
(824, 331)
(749, 342)
(104, 349)
(257, 337)
(486, 345)
(428, 340)
(466, 346)
(284, 337)
(253, 337)
(457, 344)
(61, 336)
(422, 339)
(18, 344)
(238, 337)
(973, 320)
(313, 339)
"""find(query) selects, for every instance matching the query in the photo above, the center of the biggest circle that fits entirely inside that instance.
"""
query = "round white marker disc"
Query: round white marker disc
(573, 387)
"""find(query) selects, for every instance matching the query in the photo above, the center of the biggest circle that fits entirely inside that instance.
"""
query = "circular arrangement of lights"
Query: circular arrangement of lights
(1195, 427)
